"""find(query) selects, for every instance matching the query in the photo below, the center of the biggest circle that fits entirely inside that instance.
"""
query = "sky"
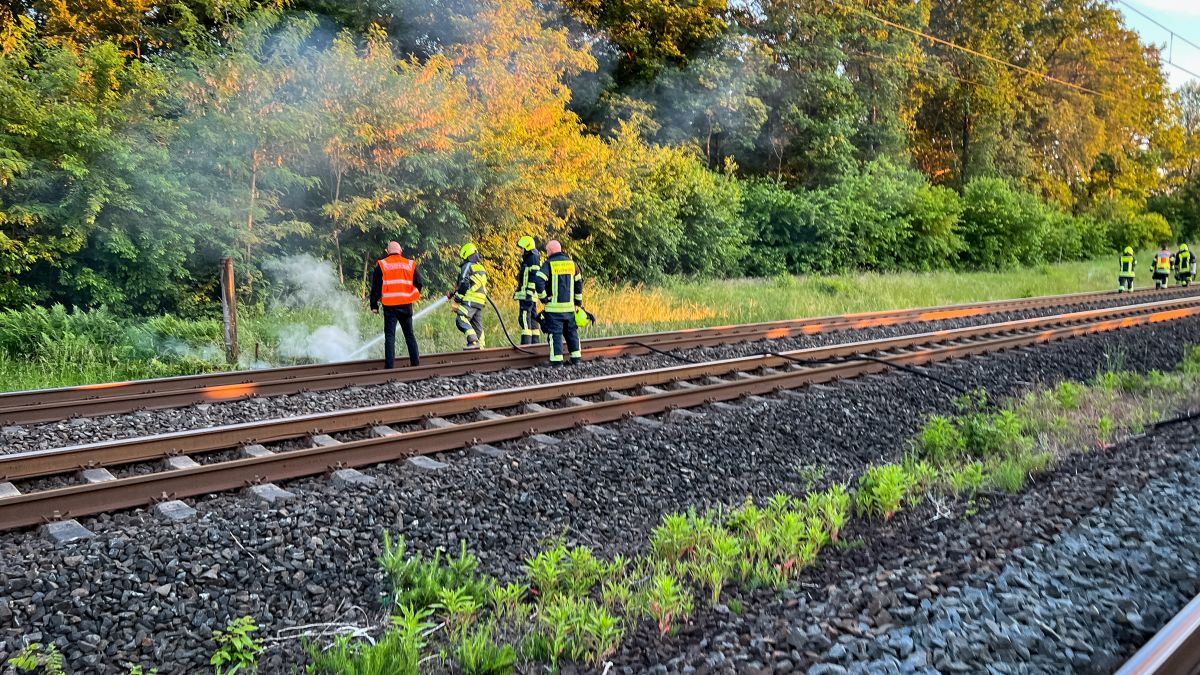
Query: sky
(1182, 17)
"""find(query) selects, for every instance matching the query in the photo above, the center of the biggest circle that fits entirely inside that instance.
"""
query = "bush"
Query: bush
(882, 490)
(1002, 226)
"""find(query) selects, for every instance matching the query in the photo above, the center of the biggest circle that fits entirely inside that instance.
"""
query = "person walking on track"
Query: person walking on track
(526, 293)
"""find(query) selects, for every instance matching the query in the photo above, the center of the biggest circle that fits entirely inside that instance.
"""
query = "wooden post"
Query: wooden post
(229, 309)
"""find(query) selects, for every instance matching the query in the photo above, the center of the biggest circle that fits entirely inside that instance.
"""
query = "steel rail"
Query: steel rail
(1174, 650)
(81, 500)
(47, 405)
(124, 451)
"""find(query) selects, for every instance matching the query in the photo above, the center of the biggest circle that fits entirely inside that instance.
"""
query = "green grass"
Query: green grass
(61, 360)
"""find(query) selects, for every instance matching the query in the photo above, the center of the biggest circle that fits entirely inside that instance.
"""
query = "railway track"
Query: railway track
(389, 433)
(49, 405)
(1174, 650)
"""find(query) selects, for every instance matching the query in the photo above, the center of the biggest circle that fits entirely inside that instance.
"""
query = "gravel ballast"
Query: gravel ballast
(152, 592)
(109, 427)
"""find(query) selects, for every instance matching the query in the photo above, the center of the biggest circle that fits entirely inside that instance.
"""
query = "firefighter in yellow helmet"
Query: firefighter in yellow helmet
(470, 296)
(526, 293)
(1163, 263)
(560, 288)
(1128, 265)
(1184, 265)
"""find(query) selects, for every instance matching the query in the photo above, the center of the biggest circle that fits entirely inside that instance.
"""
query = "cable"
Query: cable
(1173, 34)
(968, 50)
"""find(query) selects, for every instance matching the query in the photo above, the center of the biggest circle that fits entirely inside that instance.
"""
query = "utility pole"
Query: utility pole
(229, 309)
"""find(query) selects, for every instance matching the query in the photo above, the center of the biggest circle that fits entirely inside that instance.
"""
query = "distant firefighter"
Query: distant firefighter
(560, 287)
(526, 293)
(1125, 276)
(470, 296)
(1185, 266)
(1163, 262)
(396, 284)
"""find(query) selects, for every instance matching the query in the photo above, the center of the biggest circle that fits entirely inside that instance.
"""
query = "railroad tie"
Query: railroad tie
(270, 493)
(488, 451)
(62, 532)
(383, 431)
(96, 476)
(178, 463)
(426, 464)
(352, 478)
(534, 408)
(489, 415)
(438, 423)
(9, 490)
(175, 511)
(615, 396)
(323, 441)
(575, 402)
(253, 450)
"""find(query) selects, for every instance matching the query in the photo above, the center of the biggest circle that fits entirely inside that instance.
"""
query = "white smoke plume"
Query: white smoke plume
(308, 283)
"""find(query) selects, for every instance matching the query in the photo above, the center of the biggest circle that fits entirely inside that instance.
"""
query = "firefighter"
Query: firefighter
(560, 288)
(526, 293)
(1128, 264)
(470, 296)
(396, 284)
(1183, 265)
(1163, 262)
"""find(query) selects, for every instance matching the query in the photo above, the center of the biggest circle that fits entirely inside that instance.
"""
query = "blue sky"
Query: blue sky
(1181, 16)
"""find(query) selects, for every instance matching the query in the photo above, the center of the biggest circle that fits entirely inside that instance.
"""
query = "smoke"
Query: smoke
(309, 285)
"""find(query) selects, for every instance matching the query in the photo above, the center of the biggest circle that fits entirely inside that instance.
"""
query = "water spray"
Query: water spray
(421, 314)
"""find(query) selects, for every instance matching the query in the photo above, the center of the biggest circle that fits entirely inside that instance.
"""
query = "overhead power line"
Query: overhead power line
(1174, 36)
(968, 50)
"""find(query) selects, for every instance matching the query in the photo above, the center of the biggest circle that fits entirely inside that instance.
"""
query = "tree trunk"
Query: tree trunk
(250, 216)
(965, 156)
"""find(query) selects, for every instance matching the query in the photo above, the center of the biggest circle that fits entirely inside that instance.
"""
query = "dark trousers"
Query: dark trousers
(1125, 283)
(1161, 279)
(527, 318)
(403, 315)
(561, 325)
(469, 320)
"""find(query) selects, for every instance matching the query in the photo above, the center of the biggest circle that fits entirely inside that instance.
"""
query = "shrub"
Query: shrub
(478, 654)
(423, 584)
(967, 479)
(939, 440)
(396, 652)
(882, 489)
(237, 650)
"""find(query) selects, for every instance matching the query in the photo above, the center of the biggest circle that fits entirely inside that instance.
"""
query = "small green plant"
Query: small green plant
(810, 474)
(1007, 475)
(966, 479)
(1104, 429)
(396, 652)
(834, 509)
(1068, 394)
(506, 600)
(237, 650)
(34, 657)
(547, 570)
(420, 583)
(882, 490)
(735, 606)
(583, 570)
(478, 654)
(939, 440)
(667, 601)
(460, 607)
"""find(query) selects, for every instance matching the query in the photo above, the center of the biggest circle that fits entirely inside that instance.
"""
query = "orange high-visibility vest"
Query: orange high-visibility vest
(1162, 261)
(398, 286)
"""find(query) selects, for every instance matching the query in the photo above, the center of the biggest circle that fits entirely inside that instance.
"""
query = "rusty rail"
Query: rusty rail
(79, 500)
(124, 451)
(48, 405)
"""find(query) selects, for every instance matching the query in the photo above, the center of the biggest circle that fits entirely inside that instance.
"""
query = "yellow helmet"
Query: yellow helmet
(1183, 247)
(467, 250)
(1128, 250)
(526, 243)
(582, 318)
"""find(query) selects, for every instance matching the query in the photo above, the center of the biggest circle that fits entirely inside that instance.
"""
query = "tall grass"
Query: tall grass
(42, 347)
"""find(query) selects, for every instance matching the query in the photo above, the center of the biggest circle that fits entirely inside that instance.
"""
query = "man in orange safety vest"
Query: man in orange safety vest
(396, 284)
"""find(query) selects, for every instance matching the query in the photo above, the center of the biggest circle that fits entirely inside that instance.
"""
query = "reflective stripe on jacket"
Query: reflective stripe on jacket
(1127, 265)
(398, 288)
(472, 284)
(559, 284)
